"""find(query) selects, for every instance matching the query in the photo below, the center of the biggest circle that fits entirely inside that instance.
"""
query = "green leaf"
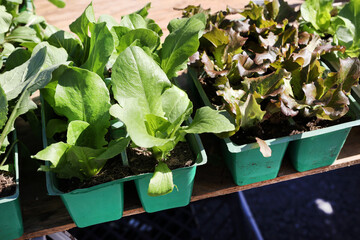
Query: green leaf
(161, 182)
(157, 126)
(209, 120)
(5, 20)
(133, 84)
(115, 148)
(17, 58)
(81, 25)
(3, 108)
(69, 42)
(75, 133)
(133, 21)
(141, 37)
(54, 55)
(86, 99)
(13, 82)
(133, 118)
(179, 45)
(176, 105)
(58, 3)
(55, 126)
(72, 161)
(101, 48)
(351, 12)
(144, 11)
(317, 12)
(22, 34)
(251, 113)
(28, 19)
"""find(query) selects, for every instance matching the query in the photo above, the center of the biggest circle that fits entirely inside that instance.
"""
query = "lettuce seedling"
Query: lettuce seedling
(154, 110)
(83, 98)
(17, 85)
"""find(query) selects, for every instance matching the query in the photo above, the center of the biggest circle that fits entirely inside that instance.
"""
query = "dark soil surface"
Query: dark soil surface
(280, 127)
(140, 161)
(7, 184)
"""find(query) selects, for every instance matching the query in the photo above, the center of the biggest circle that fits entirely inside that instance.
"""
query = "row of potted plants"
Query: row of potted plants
(112, 111)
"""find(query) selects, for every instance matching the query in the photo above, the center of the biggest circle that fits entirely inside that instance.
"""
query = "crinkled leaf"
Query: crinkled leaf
(251, 113)
(144, 11)
(317, 12)
(264, 148)
(180, 45)
(161, 182)
(267, 84)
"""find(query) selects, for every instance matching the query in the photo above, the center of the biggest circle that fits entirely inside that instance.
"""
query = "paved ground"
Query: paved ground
(323, 206)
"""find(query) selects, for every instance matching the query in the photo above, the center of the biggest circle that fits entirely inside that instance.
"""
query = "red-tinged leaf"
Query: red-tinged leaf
(310, 93)
(242, 26)
(269, 56)
(264, 148)
(270, 40)
(209, 67)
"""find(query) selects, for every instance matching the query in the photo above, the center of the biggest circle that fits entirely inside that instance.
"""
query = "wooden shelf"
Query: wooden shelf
(43, 214)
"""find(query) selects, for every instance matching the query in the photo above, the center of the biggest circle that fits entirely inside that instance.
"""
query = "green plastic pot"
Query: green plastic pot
(245, 162)
(88, 206)
(321, 147)
(183, 179)
(11, 226)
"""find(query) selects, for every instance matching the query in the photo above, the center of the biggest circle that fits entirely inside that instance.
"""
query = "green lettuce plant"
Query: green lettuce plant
(17, 85)
(341, 22)
(80, 92)
(154, 110)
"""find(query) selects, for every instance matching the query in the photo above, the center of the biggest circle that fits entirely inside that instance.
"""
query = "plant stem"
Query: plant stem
(8, 152)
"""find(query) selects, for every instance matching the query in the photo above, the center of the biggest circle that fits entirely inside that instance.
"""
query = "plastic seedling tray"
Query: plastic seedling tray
(11, 226)
(183, 179)
(93, 205)
(247, 165)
